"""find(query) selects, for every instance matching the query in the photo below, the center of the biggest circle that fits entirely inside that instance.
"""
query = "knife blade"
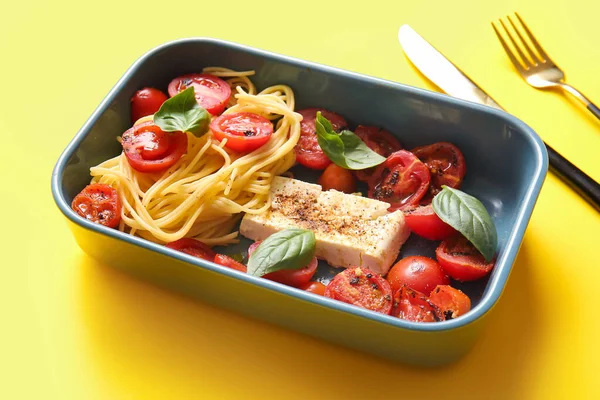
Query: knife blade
(441, 71)
(448, 77)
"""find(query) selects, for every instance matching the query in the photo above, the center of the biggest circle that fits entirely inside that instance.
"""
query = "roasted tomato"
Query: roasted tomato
(290, 277)
(308, 151)
(212, 93)
(418, 273)
(401, 180)
(98, 203)
(229, 262)
(461, 260)
(193, 247)
(146, 101)
(361, 287)
(150, 149)
(423, 221)
(380, 141)
(451, 302)
(338, 178)
(446, 165)
(414, 306)
(245, 132)
(314, 287)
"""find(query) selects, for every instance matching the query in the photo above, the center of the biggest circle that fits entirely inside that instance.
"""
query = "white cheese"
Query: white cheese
(351, 231)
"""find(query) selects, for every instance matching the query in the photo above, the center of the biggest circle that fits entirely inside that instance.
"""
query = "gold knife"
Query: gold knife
(440, 70)
(448, 77)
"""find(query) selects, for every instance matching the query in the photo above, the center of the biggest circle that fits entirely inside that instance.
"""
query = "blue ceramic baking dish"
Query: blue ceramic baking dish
(487, 137)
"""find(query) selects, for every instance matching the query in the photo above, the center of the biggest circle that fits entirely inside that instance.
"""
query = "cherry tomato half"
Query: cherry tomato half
(423, 221)
(212, 93)
(146, 101)
(418, 273)
(446, 165)
(451, 302)
(338, 178)
(290, 277)
(380, 141)
(193, 247)
(98, 203)
(308, 151)
(229, 262)
(150, 149)
(401, 180)
(461, 260)
(314, 287)
(414, 306)
(361, 287)
(245, 132)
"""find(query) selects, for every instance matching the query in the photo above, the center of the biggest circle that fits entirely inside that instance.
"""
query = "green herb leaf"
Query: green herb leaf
(467, 215)
(288, 249)
(182, 113)
(345, 148)
(239, 257)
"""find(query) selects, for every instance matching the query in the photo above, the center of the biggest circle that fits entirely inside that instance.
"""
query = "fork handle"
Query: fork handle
(581, 97)
(594, 110)
(578, 180)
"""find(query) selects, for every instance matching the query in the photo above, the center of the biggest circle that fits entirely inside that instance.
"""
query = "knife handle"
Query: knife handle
(578, 180)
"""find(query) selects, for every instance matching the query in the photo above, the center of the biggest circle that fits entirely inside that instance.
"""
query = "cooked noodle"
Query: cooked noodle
(205, 192)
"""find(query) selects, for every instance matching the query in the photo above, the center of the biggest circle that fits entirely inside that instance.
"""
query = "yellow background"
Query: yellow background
(73, 329)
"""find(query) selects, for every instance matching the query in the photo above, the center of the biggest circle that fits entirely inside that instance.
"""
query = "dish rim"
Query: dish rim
(504, 263)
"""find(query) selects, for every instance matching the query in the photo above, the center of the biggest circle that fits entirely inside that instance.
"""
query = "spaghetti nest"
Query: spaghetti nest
(204, 193)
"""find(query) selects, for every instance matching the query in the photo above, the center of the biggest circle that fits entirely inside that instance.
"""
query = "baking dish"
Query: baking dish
(506, 166)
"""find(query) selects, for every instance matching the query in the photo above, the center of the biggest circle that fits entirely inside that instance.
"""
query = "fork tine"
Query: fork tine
(508, 51)
(535, 43)
(534, 57)
(524, 58)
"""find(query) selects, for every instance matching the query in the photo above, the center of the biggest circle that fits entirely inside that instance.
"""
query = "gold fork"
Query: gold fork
(538, 69)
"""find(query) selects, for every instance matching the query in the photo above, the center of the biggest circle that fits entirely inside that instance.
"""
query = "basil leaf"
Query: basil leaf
(345, 148)
(467, 215)
(324, 122)
(330, 142)
(182, 113)
(239, 257)
(358, 154)
(288, 249)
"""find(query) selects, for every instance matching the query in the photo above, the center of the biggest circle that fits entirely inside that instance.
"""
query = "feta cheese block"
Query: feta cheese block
(351, 231)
